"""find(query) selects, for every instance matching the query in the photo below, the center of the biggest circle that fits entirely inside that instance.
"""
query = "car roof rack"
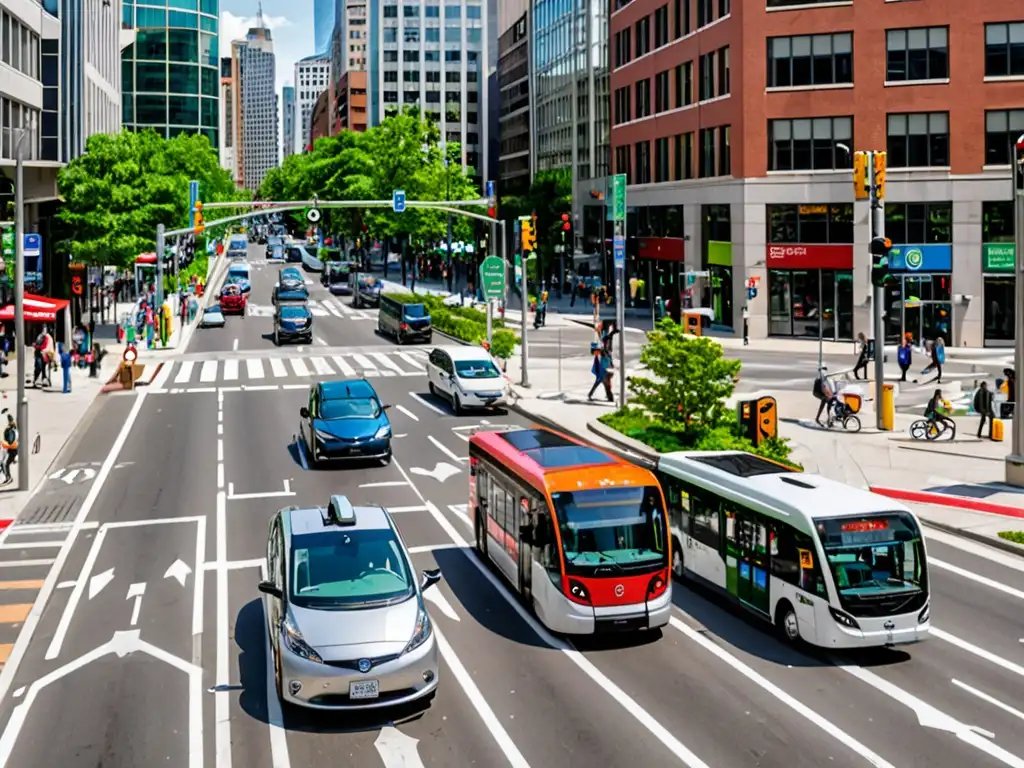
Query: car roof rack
(340, 511)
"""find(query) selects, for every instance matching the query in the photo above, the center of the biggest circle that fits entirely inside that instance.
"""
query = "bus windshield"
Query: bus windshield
(879, 556)
(614, 529)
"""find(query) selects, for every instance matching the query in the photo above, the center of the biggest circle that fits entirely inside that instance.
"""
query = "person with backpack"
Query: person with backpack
(983, 407)
(826, 397)
(904, 357)
(938, 355)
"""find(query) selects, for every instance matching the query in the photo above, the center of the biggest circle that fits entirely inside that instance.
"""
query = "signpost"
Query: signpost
(1015, 461)
(619, 246)
(193, 198)
(492, 283)
(398, 201)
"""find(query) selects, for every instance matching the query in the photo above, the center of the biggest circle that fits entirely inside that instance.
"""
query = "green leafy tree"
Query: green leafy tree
(691, 380)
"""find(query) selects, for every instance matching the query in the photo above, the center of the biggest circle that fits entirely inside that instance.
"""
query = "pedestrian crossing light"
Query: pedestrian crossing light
(879, 249)
(879, 171)
(198, 226)
(860, 176)
(529, 235)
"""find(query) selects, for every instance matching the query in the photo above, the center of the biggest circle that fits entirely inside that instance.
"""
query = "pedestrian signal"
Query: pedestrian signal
(198, 225)
(879, 250)
(529, 236)
(860, 176)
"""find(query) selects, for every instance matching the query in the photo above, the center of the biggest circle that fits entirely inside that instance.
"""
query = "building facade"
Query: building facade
(258, 143)
(514, 105)
(228, 116)
(348, 55)
(323, 26)
(287, 121)
(170, 80)
(739, 165)
(351, 102)
(311, 79)
(319, 121)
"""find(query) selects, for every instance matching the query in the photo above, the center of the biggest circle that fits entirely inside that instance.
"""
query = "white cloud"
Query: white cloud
(235, 28)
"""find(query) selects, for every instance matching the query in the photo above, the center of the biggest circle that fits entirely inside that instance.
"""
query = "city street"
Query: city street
(152, 645)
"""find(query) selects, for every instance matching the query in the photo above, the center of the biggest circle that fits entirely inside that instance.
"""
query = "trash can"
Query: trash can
(693, 323)
(758, 418)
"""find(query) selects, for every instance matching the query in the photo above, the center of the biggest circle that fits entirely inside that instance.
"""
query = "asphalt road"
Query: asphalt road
(150, 646)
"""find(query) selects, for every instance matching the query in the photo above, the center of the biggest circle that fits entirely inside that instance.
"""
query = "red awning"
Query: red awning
(32, 300)
(31, 315)
(146, 258)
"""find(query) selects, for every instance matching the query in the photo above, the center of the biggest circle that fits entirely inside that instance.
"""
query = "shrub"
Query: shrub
(1017, 537)
(464, 323)
(503, 343)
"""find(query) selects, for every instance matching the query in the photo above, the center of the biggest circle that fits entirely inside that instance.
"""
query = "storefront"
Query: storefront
(997, 261)
(919, 302)
(810, 290)
(657, 272)
(719, 289)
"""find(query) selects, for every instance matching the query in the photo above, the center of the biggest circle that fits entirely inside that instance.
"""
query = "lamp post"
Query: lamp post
(19, 309)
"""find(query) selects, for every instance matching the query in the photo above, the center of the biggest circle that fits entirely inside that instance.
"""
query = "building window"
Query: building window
(917, 54)
(643, 98)
(706, 77)
(919, 223)
(643, 36)
(661, 159)
(681, 14)
(810, 60)
(724, 150)
(997, 221)
(809, 144)
(812, 224)
(724, 75)
(622, 105)
(661, 26)
(622, 164)
(684, 156)
(643, 163)
(1004, 50)
(623, 47)
(390, 11)
(918, 140)
(684, 84)
(724, 7)
(705, 12)
(711, 148)
(661, 103)
(1002, 128)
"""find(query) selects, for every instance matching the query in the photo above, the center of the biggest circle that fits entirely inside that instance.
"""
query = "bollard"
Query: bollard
(887, 408)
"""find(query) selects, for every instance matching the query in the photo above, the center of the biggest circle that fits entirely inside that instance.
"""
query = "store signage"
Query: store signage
(933, 257)
(807, 210)
(998, 257)
(663, 248)
(834, 256)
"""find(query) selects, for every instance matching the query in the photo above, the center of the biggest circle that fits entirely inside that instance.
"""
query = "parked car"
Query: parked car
(405, 321)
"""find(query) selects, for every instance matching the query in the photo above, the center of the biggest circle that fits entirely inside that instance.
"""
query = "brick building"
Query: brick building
(734, 121)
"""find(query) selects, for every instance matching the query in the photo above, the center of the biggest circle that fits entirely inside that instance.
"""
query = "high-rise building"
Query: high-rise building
(171, 72)
(348, 66)
(257, 131)
(323, 26)
(514, 98)
(228, 116)
(443, 58)
(311, 79)
(794, 90)
(287, 121)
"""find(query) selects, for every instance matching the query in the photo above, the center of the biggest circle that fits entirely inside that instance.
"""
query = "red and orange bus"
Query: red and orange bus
(582, 534)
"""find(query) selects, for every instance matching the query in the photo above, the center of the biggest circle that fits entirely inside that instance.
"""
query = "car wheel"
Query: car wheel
(432, 388)
(787, 623)
(457, 405)
(277, 338)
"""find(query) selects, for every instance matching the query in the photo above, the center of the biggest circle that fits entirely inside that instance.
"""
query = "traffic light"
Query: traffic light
(565, 222)
(860, 175)
(879, 171)
(198, 226)
(529, 235)
(879, 249)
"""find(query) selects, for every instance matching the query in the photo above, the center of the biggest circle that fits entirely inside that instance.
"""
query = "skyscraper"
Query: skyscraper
(228, 116)
(288, 121)
(171, 73)
(257, 129)
(311, 79)
(323, 26)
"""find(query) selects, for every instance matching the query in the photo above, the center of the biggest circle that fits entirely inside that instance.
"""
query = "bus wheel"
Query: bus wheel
(786, 621)
(481, 537)
(678, 571)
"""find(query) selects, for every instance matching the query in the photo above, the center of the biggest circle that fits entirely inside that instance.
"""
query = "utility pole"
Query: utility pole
(529, 243)
(160, 247)
(24, 483)
(619, 247)
(876, 162)
(1015, 461)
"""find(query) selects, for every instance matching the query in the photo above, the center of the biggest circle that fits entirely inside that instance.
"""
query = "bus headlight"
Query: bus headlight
(925, 614)
(844, 618)
(657, 586)
(578, 592)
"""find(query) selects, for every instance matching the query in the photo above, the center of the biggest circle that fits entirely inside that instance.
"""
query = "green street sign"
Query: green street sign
(619, 197)
(8, 244)
(492, 277)
(997, 257)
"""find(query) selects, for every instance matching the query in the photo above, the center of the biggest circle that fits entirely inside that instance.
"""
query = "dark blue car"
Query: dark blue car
(345, 420)
(293, 322)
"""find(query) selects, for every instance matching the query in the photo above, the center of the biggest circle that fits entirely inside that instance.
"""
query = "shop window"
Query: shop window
(716, 223)
(811, 224)
(1002, 127)
(1000, 309)
(1004, 49)
(810, 60)
(997, 221)
(809, 144)
(917, 223)
(917, 54)
(918, 140)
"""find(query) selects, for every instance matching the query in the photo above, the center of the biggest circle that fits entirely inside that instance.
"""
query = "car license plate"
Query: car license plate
(355, 451)
(364, 689)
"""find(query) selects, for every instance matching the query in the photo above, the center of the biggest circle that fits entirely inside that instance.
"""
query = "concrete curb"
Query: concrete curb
(948, 500)
(625, 442)
(991, 541)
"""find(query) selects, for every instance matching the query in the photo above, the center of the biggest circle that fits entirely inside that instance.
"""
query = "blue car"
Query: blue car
(345, 421)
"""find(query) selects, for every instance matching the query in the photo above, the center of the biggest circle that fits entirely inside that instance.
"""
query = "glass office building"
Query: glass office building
(170, 75)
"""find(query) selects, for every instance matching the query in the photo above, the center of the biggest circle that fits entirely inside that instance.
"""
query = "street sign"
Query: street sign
(620, 251)
(490, 193)
(8, 244)
(398, 201)
(313, 215)
(619, 197)
(33, 247)
(492, 277)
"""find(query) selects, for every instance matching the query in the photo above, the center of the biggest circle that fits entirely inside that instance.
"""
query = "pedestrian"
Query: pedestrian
(95, 358)
(826, 397)
(983, 407)
(862, 357)
(904, 357)
(65, 366)
(746, 325)
(603, 371)
(9, 445)
(938, 357)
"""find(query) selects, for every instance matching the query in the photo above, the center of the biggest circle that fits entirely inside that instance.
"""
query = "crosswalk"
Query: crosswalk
(188, 374)
(331, 307)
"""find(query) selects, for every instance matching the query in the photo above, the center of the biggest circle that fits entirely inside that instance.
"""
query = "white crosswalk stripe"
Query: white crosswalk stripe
(253, 371)
(330, 307)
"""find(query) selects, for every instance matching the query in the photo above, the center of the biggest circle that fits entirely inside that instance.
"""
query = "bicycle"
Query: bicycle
(844, 415)
(923, 429)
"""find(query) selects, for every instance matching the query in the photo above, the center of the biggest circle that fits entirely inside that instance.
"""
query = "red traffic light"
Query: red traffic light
(565, 226)
(565, 217)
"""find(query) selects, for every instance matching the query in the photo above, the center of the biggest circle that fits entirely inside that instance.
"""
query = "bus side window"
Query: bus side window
(678, 501)
(497, 505)
(811, 579)
(547, 555)
(785, 561)
(704, 519)
(511, 514)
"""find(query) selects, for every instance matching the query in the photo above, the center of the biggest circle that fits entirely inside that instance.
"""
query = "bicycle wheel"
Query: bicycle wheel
(951, 428)
(918, 430)
(851, 423)
(934, 430)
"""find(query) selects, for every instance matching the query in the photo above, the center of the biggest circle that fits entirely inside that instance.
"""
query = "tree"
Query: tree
(125, 184)
(691, 380)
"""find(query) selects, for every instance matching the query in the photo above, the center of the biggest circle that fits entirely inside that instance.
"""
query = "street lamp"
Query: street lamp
(19, 305)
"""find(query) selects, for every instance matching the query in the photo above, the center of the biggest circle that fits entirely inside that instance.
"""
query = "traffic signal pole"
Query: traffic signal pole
(1015, 461)
(877, 221)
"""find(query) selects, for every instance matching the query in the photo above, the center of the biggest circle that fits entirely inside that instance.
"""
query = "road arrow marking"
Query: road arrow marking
(99, 581)
(435, 596)
(69, 478)
(441, 472)
(56, 475)
(397, 750)
(88, 474)
(178, 570)
(136, 590)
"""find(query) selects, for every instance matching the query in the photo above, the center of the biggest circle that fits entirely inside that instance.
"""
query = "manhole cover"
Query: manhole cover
(53, 511)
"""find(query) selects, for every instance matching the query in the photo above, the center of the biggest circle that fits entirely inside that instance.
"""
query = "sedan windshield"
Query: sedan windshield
(349, 569)
(476, 369)
(617, 528)
(350, 408)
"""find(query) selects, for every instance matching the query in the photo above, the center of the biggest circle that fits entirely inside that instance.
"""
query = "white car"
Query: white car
(466, 376)
(212, 317)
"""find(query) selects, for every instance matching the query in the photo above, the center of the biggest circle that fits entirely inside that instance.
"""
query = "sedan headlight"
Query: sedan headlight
(422, 631)
(382, 433)
(295, 643)
(321, 435)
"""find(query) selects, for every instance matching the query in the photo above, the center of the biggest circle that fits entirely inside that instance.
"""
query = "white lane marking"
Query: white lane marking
(369, 369)
(413, 508)
(321, 367)
(66, 585)
(254, 368)
(220, 450)
(990, 583)
(388, 484)
(435, 596)
(345, 309)
(184, 372)
(221, 703)
(279, 757)
(797, 706)
(294, 386)
(137, 591)
(444, 449)
(981, 653)
(428, 548)
(990, 554)
(344, 367)
(459, 510)
(407, 412)
(491, 721)
(99, 582)
(331, 308)
(410, 360)
(299, 366)
(627, 702)
(990, 699)
(397, 749)
(208, 372)
(428, 404)
(319, 341)
(43, 562)
(386, 362)
(930, 717)
(277, 366)
(233, 565)
(199, 585)
(33, 545)
(234, 345)
(231, 370)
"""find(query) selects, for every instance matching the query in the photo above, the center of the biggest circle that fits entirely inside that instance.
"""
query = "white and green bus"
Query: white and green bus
(829, 564)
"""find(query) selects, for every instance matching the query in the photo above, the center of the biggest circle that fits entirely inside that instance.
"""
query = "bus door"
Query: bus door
(746, 542)
(525, 553)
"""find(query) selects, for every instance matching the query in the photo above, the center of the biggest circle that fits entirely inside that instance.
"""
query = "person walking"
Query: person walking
(65, 366)
(746, 325)
(9, 445)
(938, 357)
(862, 357)
(983, 407)
(602, 370)
(904, 357)
(826, 397)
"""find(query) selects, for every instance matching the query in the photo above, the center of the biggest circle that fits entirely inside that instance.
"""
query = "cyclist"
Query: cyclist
(932, 412)
(824, 391)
